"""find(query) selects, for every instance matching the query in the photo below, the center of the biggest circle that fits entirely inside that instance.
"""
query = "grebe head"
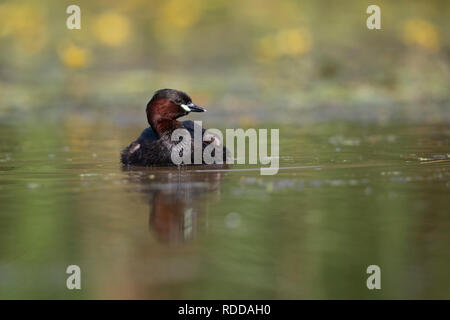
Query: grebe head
(170, 104)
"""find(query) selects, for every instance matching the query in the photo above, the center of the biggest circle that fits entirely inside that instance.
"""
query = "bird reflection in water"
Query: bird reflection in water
(178, 199)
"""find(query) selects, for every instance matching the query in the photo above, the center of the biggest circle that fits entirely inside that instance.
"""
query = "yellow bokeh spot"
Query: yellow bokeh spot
(25, 24)
(112, 29)
(181, 13)
(175, 18)
(286, 42)
(293, 42)
(422, 33)
(73, 56)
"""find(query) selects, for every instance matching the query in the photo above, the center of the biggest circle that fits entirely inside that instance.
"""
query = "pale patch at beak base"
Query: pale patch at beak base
(185, 107)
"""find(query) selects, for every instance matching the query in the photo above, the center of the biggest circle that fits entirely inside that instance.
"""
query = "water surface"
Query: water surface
(347, 196)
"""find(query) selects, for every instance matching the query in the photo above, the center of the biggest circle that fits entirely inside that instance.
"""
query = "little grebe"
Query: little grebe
(154, 146)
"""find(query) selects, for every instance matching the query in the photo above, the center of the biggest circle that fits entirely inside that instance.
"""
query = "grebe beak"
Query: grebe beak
(190, 107)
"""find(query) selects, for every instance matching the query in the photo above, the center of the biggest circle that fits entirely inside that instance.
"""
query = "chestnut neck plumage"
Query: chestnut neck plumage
(161, 115)
(162, 126)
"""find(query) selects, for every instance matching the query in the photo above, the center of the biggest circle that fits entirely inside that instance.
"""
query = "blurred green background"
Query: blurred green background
(367, 109)
(289, 56)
